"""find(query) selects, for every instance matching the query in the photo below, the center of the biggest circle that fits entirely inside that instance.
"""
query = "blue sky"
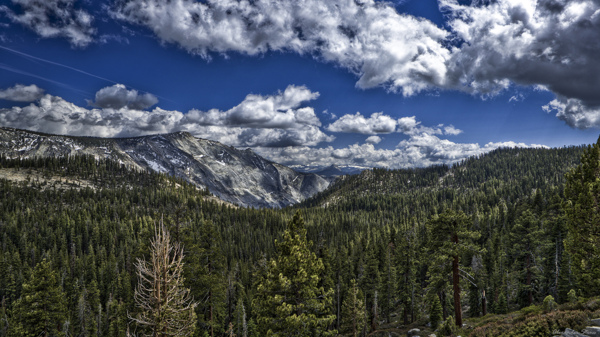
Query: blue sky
(309, 83)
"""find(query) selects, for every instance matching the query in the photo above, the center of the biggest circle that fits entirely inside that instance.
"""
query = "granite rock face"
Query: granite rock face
(238, 176)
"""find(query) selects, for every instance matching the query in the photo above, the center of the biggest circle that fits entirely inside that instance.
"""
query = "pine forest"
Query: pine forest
(502, 244)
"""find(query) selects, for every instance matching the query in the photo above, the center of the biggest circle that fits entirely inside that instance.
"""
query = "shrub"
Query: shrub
(572, 296)
(448, 328)
(549, 304)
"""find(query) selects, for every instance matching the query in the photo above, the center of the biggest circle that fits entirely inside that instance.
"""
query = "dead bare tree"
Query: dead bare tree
(165, 305)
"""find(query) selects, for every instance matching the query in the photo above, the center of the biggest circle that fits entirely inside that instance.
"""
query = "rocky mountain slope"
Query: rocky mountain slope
(238, 176)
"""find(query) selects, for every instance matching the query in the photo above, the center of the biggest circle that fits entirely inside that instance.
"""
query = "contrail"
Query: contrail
(18, 71)
(5, 67)
(56, 64)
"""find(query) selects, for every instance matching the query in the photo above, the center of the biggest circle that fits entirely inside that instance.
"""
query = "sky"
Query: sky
(309, 83)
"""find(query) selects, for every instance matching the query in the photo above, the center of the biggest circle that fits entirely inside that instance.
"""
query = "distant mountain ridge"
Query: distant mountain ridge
(238, 176)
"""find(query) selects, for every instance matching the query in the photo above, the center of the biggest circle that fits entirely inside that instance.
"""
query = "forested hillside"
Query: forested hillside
(377, 251)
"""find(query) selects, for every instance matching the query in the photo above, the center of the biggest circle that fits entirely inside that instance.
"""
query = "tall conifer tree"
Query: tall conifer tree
(288, 300)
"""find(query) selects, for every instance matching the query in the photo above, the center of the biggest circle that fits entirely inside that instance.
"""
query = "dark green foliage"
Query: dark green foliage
(288, 299)
(451, 239)
(582, 206)
(205, 275)
(535, 325)
(353, 311)
(527, 248)
(92, 219)
(435, 311)
(41, 309)
(501, 305)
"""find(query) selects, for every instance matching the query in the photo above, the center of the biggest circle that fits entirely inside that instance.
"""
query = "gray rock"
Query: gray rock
(240, 177)
(413, 332)
(592, 331)
(572, 333)
(596, 321)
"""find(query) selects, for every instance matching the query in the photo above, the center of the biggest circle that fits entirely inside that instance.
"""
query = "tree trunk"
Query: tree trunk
(212, 330)
(456, 286)
(529, 292)
(483, 304)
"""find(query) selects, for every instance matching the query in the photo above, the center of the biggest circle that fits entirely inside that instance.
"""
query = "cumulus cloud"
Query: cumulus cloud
(574, 112)
(452, 131)
(293, 124)
(377, 123)
(282, 110)
(22, 93)
(117, 97)
(367, 37)
(373, 140)
(54, 18)
(487, 46)
(544, 43)
(419, 150)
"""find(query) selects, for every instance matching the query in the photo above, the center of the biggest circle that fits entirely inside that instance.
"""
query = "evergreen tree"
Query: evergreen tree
(435, 311)
(165, 306)
(41, 309)
(501, 304)
(205, 275)
(527, 238)
(288, 301)
(582, 207)
(450, 239)
(354, 315)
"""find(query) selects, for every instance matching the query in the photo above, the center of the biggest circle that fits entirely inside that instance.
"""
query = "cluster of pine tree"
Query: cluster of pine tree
(490, 234)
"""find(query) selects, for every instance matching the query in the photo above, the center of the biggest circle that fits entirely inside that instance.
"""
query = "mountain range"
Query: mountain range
(238, 176)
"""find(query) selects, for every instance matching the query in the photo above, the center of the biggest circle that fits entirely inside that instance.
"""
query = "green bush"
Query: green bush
(448, 328)
(549, 304)
(533, 326)
(572, 296)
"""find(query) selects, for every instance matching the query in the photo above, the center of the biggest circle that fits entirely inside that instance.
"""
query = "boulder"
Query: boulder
(596, 321)
(413, 332)
(572, 333)
(592, 331)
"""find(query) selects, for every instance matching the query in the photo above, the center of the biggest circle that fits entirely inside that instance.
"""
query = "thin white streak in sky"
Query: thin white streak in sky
(64, 66)
(56, 64)
(18, 71)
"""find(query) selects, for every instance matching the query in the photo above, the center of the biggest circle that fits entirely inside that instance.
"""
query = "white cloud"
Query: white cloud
(489, 45)
(373, 140)
(418, 151)
(117, 97)
(543, 43)
(54, 18)
(377, 123)
(574, 112)
(367, 37)
(452, 131)
(422, 148)
(282, 110)
(297, 126)
(22, 93)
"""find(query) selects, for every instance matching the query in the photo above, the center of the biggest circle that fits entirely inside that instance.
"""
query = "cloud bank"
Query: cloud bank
(486, 47)
(268, 121)
(489, 46)
(367, 37)
(279, 126)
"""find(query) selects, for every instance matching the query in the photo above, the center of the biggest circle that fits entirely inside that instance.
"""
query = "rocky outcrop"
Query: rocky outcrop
(238, 176)
(590, 331)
